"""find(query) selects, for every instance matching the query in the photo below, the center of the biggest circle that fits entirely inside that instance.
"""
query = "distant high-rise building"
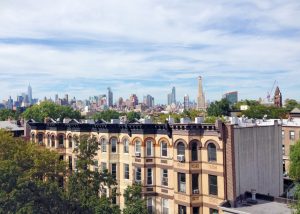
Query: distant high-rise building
(66, 99)
(133, 100)
(201, 97)
(186, 102)
(120, 102)
(231, 97)
(169, 99)
(110, 97)
(56, 98)
(173, 95)
(10, 103)
(149, 101)
(278, 97)
(29, 93)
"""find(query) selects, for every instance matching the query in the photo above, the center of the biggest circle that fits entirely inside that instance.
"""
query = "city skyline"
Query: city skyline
(83, 49)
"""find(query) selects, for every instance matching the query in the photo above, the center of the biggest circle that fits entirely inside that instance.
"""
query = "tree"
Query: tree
(290, 104)
(294, 171)
(85, 186)
(50, 109)
(8, 113)
(259, 111)
(219, 108)
(133, 115)
(29, 178)
(106, 115)
(134, 202)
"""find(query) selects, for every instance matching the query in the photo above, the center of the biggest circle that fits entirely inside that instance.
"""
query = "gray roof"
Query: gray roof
(295, 110)
(10, 125)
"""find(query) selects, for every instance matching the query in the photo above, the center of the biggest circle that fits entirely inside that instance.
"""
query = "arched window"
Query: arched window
(194, 151)
(32, 137)
(113, 143)
(40, 138)
(138, 145)
(164, 149)
(70, 141)
(49, 140)
(126, 145)
(149, 148)
(212, 152)
(180, 149)
(103, 145)
(52, 141)
(61, 141)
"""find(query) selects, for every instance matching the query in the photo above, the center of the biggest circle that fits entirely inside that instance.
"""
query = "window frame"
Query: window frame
(126, 146)
(211, 152)
(149, 178)
(194, 151)
(180, 149)
(113, 145)
(126, 171)
(162, 149)
(113, 174)
(163, 177)
(181, 184)
(292, 136)
(103, 145)
(138, 146)
(213, 187)
(138, 174)
(149, 142)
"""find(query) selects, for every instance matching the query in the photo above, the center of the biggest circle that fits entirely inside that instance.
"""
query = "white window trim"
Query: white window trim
(116, 144)
(151, 176)
(126, 145)
(140, 145)
(161, 149)
(151, 148)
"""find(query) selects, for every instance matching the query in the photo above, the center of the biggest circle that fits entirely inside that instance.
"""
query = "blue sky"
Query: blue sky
(148, 46)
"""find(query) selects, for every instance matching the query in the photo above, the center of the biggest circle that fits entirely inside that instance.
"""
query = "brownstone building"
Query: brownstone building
(183, 168)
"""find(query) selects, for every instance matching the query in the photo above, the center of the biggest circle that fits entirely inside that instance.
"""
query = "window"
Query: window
(212, 152)
(32, 137)
(213, 211)
(114, 170)
(165, 206)
(149, 176)
(164, 177)
(137, 146)
(70, 142)
(213, 184)
(126, 171)
(195, 210)
(181, 182)
(103, 166)
(49, 140)
(195, 183)
(292, 135)
(138, 174)
(150, 205)
(70, 162)
(194, 151)
(282, 135)
(126, 145)
(95, 165)
(180, 149)
(181, 209)
(61, 141)
(113, 145)
(164, 149)
(103, 145)
(149, 148)
(40, 139)
(283, 149)
(53, 141)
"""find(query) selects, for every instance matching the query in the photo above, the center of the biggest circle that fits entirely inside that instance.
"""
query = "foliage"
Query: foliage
(219, 108)
(294, 171)
(134, 202)
(249, 103)
(8, 113)
(50, 109)
(192, 113)
(85, 185)
(106, 115)
(290, 104)
(133, 115)
(23, 169)
(259, 111)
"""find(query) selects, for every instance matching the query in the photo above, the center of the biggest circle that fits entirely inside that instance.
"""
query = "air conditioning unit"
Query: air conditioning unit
(195, 191)
(137, 154)
(180, 158)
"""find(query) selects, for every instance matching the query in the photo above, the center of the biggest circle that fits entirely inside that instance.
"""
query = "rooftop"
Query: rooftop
(10, 125)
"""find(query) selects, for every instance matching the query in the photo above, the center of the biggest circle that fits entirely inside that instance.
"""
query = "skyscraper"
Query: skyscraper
(109, 97)
(29, 93)
(201, 97)
(186, 102)
(173, 95)
(231, 97)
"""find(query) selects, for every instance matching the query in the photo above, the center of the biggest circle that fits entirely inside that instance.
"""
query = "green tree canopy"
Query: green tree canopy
(294, 171)
(106, 115)
(134, 202)
(8, 113)
(290, 104)
(133, 115)
(219, 108)
(259, 111)
(50, 109)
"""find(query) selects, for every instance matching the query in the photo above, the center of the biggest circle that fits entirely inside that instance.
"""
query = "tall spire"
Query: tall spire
(201, 98)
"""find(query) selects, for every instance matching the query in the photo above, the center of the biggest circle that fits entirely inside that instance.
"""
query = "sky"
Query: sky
(147, 46)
